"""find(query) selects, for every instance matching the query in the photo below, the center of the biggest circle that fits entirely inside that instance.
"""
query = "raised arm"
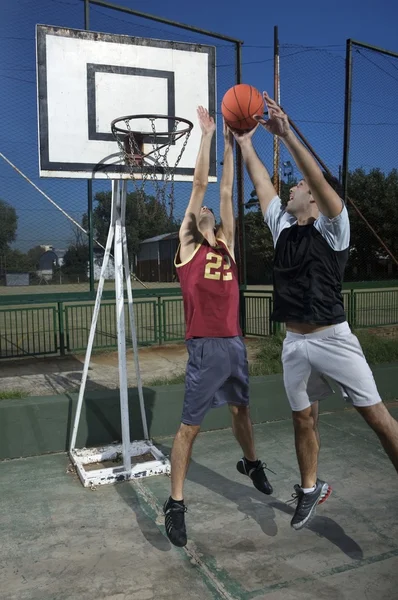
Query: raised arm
(327, 200)
(257, 171)
(227, 229)
(189, 233)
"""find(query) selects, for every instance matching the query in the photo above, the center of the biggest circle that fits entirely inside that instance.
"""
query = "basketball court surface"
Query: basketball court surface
(60, 541)
(63, 541)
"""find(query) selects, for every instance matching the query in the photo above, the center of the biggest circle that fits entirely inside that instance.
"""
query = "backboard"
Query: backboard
(85, 80)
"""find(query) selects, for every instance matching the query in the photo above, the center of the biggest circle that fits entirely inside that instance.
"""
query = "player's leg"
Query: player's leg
(385, 426)
(303, 386)
(205, 374)
(339, 354)
(307, 446)
(236, 392)
(180, 458)
(306, 429)
(243, 430)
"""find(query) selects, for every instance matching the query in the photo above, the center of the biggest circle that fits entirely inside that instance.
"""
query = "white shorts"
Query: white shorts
(334, 352)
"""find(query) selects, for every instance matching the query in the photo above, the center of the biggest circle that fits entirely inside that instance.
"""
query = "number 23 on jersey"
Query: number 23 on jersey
(218, 267)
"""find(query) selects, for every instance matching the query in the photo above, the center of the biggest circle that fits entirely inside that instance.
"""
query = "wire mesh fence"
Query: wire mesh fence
(318, 97)
(41, 251)
(34, 235)
(312, 94)
(372, 176)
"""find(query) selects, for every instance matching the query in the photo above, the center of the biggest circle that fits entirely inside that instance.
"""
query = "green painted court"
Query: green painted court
(109, 543)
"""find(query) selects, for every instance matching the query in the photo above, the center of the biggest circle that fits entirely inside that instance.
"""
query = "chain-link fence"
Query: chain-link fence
(371, 161)
(337, 109)
(34, 235)
(41, 251)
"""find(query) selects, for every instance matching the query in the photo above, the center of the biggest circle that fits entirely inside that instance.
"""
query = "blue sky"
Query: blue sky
(312, 84)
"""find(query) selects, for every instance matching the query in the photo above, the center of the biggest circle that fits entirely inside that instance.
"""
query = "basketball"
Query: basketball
(239, 105)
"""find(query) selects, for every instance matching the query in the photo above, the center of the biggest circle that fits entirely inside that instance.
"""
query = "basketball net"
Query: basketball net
(151, 162)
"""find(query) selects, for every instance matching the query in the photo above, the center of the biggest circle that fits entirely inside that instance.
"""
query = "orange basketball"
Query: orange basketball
(239, 105)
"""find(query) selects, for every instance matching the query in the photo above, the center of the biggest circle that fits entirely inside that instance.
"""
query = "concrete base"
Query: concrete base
(60, 541)
(32, 425)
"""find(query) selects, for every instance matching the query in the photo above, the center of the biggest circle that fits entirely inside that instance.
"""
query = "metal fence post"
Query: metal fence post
(353, 307)
(89, 186)
(161, 335)
(277, 97)
(61, 329)
(240, 175)
(347, 116)
(243, 312)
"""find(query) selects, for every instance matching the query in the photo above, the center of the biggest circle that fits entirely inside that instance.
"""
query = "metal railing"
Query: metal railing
(63, 326)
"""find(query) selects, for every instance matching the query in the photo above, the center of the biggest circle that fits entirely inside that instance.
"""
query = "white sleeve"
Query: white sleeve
(277, 218)
(336, 231)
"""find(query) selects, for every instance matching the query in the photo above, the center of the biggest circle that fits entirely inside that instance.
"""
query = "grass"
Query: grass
(174, 380)
(12, 394)
(377, 349)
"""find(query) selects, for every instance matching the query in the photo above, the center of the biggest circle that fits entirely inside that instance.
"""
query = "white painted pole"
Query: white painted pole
(91, 336)
(132, 318)
(120, 322)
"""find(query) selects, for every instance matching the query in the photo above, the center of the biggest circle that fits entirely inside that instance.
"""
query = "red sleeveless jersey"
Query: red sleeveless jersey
(210, 290)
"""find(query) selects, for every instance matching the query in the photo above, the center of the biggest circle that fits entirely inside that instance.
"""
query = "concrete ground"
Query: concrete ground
(57, 375)
(59, 541)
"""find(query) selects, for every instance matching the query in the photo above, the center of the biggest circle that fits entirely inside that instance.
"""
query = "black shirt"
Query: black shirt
(309, 265)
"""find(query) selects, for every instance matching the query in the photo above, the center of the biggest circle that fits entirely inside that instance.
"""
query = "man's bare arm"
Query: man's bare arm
(227, 230)
(256, 169)
(327, 200)
(189, 227)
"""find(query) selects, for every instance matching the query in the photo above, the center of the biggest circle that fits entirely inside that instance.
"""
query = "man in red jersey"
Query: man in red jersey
(217, 368)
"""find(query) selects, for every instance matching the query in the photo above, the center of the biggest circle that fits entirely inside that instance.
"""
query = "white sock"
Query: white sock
(308, 490)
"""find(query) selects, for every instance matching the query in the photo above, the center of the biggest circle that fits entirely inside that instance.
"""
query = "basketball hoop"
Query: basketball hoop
(146, 153)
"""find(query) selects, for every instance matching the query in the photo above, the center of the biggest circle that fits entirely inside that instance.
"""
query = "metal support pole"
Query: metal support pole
(89, 185)
(119, 201)
(133, 327)
(90, 342)
(277, 97)
(90, 233)
(240, 180)
(138, 13)
(86, 14)
(347, 116)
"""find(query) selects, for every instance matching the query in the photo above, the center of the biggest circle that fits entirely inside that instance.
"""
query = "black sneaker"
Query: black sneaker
(174, 513)
(307, 503)
(257, 475)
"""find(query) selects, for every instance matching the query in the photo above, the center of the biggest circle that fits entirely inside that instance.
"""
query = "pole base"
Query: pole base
(101, 466)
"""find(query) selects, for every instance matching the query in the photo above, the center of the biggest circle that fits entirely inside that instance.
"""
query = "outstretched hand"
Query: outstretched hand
(243, 137)
(206, 122)
(277, 122)
(228, 135)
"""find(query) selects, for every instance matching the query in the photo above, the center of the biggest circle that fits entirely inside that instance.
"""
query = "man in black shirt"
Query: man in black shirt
(311, 238)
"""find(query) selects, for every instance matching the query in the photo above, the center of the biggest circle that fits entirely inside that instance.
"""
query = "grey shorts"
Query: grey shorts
(217, 373)
(334, 352)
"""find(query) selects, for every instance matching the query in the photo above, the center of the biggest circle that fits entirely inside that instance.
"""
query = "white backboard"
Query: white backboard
(86, 79)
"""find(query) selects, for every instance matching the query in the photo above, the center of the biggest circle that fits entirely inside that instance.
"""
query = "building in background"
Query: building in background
(50, 261)
(155, 259)
(98, 260)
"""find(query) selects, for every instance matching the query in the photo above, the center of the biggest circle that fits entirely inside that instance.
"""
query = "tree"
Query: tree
(259, 243)
(259, 249)
(8, 225)
(145, 217)
(376, 195)
(33, 256)
(15, 261)
(75, 263)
